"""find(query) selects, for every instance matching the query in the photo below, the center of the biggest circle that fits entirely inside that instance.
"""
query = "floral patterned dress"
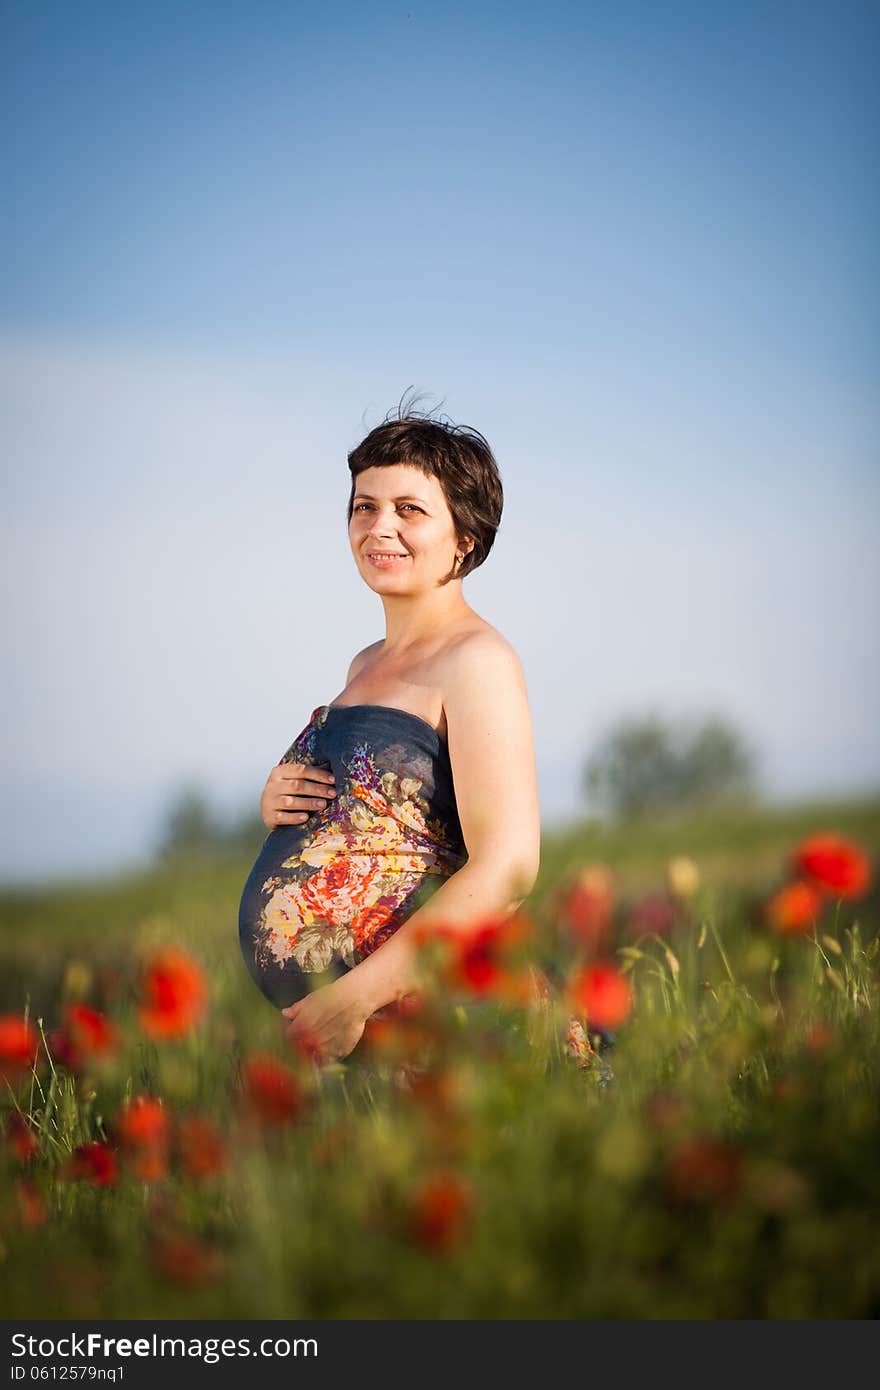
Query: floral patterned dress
(325, 893)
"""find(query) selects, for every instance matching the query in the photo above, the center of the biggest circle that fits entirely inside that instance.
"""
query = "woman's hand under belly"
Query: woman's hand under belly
(329, 1023)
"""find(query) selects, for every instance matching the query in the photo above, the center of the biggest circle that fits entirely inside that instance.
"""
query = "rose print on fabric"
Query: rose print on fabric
(361, 864)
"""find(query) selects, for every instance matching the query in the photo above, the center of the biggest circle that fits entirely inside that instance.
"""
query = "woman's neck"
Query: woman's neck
(412, 623)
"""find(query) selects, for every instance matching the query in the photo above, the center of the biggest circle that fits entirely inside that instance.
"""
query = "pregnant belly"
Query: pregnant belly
(301, 925)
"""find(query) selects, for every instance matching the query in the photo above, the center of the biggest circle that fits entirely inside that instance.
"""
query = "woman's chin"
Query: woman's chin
(381, 579)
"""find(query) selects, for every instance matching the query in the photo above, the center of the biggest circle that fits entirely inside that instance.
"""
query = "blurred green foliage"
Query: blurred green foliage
(649, 764)
(725, 1170)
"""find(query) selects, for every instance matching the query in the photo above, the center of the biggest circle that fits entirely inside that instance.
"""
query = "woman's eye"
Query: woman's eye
(361, 505)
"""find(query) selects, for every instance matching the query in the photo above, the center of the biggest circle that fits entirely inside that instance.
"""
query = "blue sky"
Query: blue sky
(630, 243)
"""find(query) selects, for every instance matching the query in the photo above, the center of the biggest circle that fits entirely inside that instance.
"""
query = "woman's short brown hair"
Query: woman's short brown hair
(457, 456)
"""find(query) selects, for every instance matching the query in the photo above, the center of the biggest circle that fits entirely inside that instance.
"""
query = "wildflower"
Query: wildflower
(682, 876)
(150, 1163)
(664, 1109)
(438, 1096)
(833, 864)
(143, 1127)
(21, 1138)
(440, 1211)
(185, 1258)
(94, 1163)
(90, 1031)
(272, 1091)
(63, 1051)
(201, 1147)
(143, 1121)
(655, 912)
(19, 1045)
(703, 1170)
(786, 1088)
(397, 1031)
(476, 963)
(586, 907)
(77, 979)
(86, 1035)
(31, 1207)
(439, 1090)
(173, 994)
(481, 956)
(602, 993)
(794, 907)
(409, 1005)
(819, 1036)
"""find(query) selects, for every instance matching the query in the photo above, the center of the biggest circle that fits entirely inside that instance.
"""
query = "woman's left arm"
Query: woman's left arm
(492, 753)
(491, 748)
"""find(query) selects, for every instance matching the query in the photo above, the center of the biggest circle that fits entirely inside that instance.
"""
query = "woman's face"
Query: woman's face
(398, 509)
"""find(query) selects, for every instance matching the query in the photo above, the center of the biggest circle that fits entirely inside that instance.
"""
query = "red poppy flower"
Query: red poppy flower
(201, 1147)
(397, 1033)
(794, 908)
(143, 1121)
(306, 1046)
(173, 994)
(587, 906)
(143, 1127)
(834, 864)
(185, 1258)
(31, 1207)
(150, 1163)
(655, 912)
(819, 1036)
(90, 1031)
(440, 1212)
(438, 1090)
(481, 955)
(476, 965)
(19, 1045)
(21, 1137)
(63, 1050)
(377, 1034)
(602, 993)
(665, 1110)
(409, 1005)
(703, 1170)
(272, 1092)
(94, 1163)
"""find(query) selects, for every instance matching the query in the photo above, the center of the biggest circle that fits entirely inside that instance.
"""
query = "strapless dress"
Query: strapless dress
(326, 892)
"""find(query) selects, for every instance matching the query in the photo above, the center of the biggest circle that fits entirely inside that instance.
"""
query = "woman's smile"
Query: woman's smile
(387, 560)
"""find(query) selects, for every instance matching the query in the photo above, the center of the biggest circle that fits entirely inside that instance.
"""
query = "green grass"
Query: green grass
(727, 1168)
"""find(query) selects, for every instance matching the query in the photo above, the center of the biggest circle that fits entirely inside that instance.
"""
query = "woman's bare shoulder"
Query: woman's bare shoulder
(359, 661)
(481, 659)
(479, 638)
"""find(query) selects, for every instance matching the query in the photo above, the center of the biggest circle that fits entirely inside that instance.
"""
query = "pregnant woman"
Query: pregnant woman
(411, 797)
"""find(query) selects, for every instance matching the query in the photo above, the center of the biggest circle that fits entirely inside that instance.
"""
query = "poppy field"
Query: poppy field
(650, 1093)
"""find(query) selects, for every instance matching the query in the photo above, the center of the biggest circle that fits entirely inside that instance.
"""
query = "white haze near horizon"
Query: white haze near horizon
(181, 594)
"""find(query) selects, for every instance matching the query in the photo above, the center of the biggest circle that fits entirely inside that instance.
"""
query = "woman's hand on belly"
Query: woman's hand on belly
(329, 1022)
(293, 791)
